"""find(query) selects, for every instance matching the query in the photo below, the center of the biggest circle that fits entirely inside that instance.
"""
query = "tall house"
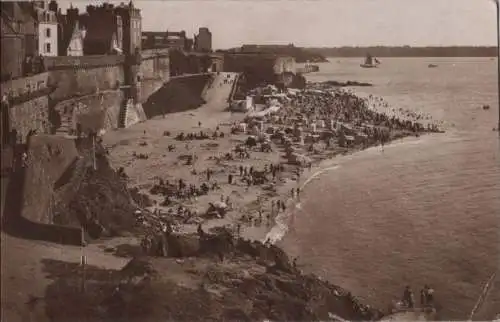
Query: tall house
(112, 30)
(104, 30)
(19, 37)
(47, 28)
(132, 27)
(203, 41)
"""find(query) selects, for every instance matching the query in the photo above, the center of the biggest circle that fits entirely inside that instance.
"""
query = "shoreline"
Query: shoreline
(248, 202)
(155, 160)
(324, 166)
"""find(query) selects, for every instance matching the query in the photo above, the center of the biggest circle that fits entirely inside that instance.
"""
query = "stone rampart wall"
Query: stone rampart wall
(95, 83)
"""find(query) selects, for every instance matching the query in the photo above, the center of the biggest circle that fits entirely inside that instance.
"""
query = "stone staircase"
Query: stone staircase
(122, 117)
(66, 125)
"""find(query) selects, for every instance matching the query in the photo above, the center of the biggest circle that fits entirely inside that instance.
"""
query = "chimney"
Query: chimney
(53, 6)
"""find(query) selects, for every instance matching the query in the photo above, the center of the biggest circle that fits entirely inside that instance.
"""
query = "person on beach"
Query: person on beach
(298, 192)
(230, 178)
(408, 298)
(429, 295)
(423, 295)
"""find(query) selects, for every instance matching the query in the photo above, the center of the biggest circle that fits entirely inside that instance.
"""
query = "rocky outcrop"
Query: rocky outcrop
(98, 199)
(253, 282)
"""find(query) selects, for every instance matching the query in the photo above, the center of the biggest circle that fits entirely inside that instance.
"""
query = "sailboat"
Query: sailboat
(370, 62)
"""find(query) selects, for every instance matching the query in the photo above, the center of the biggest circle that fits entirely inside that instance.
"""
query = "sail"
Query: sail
(368, 60)
(377, 61)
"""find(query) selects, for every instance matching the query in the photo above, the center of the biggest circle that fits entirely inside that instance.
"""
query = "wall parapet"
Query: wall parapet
(82, 62)
(151, 53)
(23, 86)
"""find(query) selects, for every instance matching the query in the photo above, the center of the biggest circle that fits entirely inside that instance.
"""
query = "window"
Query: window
(47, 48)
(47, 32)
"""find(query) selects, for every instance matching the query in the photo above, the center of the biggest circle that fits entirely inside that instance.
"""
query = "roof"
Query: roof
(69, 30)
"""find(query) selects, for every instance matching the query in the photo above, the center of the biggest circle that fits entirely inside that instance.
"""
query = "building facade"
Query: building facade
(20, 35)
(203, 41)
(104, 30)
(166, 39)
(47, 29)
(131, 28)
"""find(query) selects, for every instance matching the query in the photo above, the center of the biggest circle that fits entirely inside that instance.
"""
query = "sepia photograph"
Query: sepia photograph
(250, 160)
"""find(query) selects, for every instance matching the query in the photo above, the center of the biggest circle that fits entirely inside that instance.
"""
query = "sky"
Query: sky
(324, 23)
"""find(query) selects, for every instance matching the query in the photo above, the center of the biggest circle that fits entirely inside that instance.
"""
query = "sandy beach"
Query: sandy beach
(149, 152)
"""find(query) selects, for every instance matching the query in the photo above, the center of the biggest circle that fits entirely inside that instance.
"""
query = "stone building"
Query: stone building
(20, 35)
(71, 33)
(47, 28)
(166, 39)
(203, 41)
(154, 39)
(112, 30)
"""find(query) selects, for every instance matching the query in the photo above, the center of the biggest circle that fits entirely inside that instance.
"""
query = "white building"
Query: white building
(75, 46)
(47, 29)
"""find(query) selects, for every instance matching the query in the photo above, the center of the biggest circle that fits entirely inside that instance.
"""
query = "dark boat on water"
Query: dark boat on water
(370, 62)
(432, 66)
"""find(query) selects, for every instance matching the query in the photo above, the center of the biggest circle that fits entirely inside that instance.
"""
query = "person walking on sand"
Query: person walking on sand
(423, 294)
(298, 192)
(408, 298)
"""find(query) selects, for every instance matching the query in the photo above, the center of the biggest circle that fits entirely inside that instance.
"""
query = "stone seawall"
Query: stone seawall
(179, 94)
(259, 68)
(94, 112)
(48, 158)
(87, 89)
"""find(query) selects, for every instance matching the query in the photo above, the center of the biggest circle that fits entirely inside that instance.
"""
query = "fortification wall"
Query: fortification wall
(24, 86)
(30, 115)
(179, 94)
(94, 112)
(74, 82)
(257, 68)
(48, 158)
(87, 90)
(154, 72)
